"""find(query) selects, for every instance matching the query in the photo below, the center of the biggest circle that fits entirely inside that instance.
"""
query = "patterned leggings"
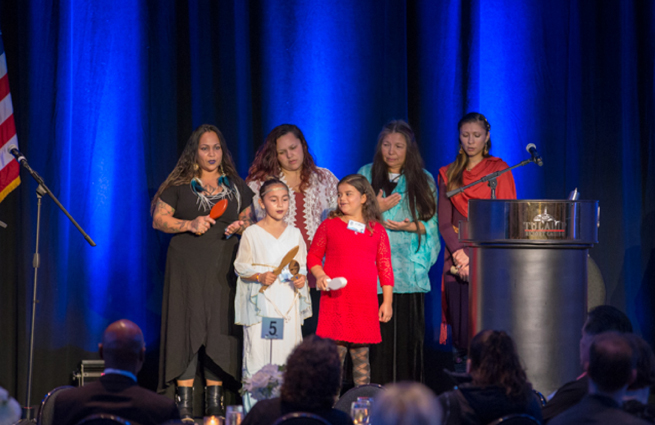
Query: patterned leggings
(359, 356)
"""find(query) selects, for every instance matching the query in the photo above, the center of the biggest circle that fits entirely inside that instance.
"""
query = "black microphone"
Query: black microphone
(13, 149)
(535, 155)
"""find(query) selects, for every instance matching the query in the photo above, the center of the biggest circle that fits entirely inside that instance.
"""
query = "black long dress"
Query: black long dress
(199, 289)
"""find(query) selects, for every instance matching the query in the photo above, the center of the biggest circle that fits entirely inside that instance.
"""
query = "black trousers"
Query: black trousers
(310, 324)
(400, 355)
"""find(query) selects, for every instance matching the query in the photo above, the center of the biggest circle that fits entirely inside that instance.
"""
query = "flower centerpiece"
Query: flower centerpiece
(264, 384)
(9, 408)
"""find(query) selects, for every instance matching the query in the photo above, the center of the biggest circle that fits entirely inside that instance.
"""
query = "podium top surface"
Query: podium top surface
(531, 221)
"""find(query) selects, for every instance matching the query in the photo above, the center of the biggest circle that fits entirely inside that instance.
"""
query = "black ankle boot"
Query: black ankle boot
(214, 401)
(184, 401)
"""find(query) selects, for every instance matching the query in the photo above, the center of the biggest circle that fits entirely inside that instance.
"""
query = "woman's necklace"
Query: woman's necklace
(208, 195)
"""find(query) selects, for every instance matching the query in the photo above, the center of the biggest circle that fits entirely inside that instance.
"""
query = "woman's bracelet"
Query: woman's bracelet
(257, 277)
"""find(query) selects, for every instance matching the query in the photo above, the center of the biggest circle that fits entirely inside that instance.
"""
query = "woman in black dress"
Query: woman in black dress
(199, 288)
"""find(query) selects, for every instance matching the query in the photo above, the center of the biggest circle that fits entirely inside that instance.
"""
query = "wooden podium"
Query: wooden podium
(529, 278)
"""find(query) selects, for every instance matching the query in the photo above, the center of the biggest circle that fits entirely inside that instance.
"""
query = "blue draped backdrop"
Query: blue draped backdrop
(106, 93)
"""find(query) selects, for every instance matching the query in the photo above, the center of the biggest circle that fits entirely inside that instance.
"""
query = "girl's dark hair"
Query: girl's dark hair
(266, 165)
(312, 378)
(370, 208)
(268, 183)
(456, 169)
(420, 196)
(494, 361)
(184, 171)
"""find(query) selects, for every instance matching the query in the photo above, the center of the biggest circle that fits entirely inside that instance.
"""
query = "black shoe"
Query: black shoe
(214, 401)
(184, 401)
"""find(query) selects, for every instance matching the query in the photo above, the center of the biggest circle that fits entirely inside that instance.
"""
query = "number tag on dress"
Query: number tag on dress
(273, 328)
(356, 226)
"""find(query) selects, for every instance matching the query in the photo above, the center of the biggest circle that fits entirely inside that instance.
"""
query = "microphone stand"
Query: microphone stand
(491, 178)
(42, 189)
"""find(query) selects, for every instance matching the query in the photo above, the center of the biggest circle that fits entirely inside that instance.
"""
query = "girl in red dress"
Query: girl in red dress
(355, 246)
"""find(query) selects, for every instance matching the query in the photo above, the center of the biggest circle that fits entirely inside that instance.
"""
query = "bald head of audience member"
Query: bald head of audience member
(123, 346)
(612, 365)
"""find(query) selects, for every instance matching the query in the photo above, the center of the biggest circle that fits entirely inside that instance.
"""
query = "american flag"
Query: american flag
(9, 168)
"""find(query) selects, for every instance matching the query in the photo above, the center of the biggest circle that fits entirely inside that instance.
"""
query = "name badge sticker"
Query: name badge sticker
(356, 226)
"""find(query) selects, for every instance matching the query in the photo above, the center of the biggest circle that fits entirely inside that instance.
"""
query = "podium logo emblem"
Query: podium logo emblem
(546, 218)
(546, 226)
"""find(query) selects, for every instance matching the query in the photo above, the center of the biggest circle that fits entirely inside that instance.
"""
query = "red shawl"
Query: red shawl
(504, 190)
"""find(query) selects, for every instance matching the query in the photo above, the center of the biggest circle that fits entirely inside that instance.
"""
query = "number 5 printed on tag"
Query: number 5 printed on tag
(273, 328)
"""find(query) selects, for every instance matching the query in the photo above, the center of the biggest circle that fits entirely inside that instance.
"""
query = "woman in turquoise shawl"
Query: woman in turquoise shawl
(408, 199)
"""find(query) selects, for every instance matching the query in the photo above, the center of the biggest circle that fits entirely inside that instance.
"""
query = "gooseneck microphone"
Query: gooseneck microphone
(535, 155)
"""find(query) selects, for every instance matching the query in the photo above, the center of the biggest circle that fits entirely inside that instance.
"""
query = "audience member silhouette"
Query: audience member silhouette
(312, 380)
(611, 368)
(600, 319)
(406, 403)
(499, 386)
(117, 392)
(635, 401)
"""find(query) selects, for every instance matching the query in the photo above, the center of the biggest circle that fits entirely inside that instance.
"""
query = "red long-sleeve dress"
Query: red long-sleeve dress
(350, 314)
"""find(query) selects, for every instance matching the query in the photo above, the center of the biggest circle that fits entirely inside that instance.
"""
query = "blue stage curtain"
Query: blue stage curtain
(106, 94)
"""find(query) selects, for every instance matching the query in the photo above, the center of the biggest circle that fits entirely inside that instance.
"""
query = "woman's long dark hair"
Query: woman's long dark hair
(456, 169)
(266, 165)
(184, 170)
(420, 196)
(494, 361)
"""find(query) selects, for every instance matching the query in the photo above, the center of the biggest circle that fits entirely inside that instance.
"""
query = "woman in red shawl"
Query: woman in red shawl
(473, 162)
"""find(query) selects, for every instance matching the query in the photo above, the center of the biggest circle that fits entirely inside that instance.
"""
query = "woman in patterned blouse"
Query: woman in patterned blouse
(285, 155)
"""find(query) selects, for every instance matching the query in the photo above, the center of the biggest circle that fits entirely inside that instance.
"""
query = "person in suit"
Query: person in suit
(612, 367)
(117, 392)
(636, 397)
(600, 319)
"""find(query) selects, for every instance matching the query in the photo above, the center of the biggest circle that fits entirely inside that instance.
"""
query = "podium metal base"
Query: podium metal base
(539, 297)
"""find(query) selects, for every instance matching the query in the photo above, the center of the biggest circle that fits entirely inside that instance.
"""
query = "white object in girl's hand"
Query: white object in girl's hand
(336, 283)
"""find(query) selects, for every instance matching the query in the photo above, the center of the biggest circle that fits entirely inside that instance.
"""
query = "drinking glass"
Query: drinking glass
(234, 415)
(360, 412)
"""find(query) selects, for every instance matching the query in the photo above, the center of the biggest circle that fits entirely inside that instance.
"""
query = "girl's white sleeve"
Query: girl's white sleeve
(243, 263)
(301, 256)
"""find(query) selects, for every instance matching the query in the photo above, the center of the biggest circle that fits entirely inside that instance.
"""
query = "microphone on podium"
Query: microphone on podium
(532, 149)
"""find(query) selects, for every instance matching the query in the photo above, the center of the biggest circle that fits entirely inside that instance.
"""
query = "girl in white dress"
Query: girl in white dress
(262, 248)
